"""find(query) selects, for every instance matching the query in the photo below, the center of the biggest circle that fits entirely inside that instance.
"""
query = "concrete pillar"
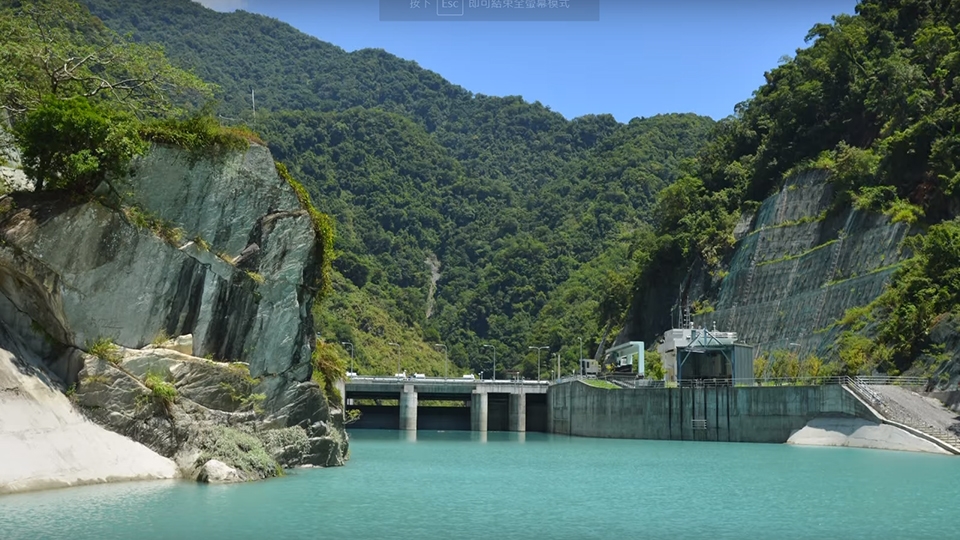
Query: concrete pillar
(478, 410)
(518, 412)
(408, 408)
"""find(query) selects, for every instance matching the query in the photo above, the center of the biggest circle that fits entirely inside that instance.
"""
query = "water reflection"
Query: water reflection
(446, 436)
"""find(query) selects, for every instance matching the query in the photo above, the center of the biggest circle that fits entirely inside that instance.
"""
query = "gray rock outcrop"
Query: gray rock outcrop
(238, 337)
(218, 472)
(12, 177)
(797, 267)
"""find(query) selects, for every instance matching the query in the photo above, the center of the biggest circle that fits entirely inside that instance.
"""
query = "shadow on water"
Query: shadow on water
(425, 436)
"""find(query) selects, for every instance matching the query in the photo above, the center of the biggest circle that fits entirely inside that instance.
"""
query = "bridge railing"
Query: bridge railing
(379, 379)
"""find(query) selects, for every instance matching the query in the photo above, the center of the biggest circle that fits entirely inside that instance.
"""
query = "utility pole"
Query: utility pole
(580, 360)
(538, 358)
(494, 360)
(397, 345)
(446, 353)
(351, 353)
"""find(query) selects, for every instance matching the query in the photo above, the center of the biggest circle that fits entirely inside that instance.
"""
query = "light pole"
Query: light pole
(558, 365)
(547, 347)
(581, 347)
(494, 360)
(397, 345)
(351, 353)
(797, 347)
(446, 354)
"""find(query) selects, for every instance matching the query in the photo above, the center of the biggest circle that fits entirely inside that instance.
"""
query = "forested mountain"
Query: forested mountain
(497, 199)
(875, 102)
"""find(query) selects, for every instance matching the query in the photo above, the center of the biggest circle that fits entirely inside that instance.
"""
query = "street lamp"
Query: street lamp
(397, 345)
(558, 365)
(797, 346)
(494, 360)
(581, 347)
(351, 353)
(446, 354)
(547, 347)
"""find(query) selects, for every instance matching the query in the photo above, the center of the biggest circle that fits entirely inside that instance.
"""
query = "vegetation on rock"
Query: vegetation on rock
(104, 349)
(73, 144)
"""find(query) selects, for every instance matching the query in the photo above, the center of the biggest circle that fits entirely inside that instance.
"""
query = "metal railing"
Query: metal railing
(886, 380)
(893, 411)
(859, 383)
(379, 379)
(861, 388)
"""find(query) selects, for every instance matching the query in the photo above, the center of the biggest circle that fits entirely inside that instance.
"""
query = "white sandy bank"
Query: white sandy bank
(45, 443)
(858, 433)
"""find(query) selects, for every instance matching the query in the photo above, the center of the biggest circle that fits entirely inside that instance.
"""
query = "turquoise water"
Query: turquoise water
(532, 486)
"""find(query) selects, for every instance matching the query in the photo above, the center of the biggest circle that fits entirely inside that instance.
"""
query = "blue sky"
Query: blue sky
(643, 57)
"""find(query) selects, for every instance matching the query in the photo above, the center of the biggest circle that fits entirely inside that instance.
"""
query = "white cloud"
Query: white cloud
(224, 5)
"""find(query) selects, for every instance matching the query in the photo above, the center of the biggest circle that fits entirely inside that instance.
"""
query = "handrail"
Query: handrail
(378, 379)
(862, 383)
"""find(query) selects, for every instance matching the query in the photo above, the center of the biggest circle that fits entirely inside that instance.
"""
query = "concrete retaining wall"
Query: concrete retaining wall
(744, 414)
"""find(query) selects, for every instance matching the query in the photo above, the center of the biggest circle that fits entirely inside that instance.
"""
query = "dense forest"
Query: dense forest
(462, 219)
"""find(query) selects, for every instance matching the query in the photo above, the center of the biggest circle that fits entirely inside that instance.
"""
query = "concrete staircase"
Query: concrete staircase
(887, 400)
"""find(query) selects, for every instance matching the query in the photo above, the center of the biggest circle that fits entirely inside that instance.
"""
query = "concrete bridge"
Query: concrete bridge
(478, 405)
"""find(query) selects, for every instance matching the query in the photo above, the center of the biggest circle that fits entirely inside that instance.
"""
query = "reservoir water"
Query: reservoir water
(528, 486)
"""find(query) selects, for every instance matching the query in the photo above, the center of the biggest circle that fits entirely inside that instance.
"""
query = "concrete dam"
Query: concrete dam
(767, 414)
(759, 414)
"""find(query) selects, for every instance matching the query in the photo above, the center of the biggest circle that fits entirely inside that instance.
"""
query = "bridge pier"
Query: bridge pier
(479, 410)
(408, 407)
(518, 412)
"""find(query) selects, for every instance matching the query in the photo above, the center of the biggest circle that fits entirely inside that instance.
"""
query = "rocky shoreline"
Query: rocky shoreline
(179, 321)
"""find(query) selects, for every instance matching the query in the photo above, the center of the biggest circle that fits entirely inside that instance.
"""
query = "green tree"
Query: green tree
(56, 48)
(73, 144)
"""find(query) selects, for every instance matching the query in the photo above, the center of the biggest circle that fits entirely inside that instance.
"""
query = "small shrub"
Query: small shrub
(95, 379)
(104, 349)
(256, 277)
(239, 448)
(328, 367)
(163, 391)
(874, 198)
(201, 244)
(225, 258)
(903, 211)
(160, 339)
(351, 416)
(201, 136)
(166, 230)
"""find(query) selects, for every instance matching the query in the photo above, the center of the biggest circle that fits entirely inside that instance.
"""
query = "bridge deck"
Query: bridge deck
(441, 386)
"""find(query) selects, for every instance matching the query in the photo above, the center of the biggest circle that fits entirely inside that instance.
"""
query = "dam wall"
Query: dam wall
(768, 414)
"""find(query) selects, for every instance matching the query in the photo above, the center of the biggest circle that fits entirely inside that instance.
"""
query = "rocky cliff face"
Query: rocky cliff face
(220, 258)
(796, 268)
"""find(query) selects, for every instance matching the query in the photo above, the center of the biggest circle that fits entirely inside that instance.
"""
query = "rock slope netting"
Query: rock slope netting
(797, 267)
(219, 252)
